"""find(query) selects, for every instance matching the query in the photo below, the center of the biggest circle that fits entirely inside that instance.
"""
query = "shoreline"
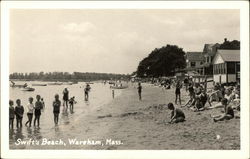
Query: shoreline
(138, 125)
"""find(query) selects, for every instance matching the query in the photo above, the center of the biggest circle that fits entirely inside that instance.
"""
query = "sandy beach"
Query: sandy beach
(129, 124)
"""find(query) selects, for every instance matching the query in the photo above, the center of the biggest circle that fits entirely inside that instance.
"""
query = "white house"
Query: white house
(226, 66)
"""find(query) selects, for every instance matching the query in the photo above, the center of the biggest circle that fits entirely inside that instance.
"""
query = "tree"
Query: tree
(162, 62)
(230, 45)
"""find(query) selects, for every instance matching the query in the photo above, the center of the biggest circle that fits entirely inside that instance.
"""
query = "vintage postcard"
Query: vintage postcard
(153, 79)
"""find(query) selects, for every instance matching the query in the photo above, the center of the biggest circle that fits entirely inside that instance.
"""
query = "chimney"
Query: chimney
(225, 39)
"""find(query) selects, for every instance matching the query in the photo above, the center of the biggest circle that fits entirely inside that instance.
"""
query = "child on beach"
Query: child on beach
(71, 103)
(139, 90)
(30, 110)
(65, 98)
(43, 104)
(38, 107)
(19, 110)
(177, 115)
(11, 114)
(56, 108)
(229, 113)
(178, 92)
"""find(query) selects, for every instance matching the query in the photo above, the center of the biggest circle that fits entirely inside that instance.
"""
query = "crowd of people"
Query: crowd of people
(226, 97)
(200, 99)
(17, 112)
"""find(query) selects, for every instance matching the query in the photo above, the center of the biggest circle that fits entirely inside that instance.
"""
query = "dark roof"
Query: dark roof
(230, 55)
(194, 56)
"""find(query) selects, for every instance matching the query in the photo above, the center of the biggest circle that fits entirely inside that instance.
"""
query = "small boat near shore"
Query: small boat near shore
(13, 84)
(39, 84)
(55, 83)
(28, 89)
(118, 87)
(89, 83)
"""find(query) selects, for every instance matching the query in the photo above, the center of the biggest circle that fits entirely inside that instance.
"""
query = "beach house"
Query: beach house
(194, 61)
(226, 66)
(209, 52)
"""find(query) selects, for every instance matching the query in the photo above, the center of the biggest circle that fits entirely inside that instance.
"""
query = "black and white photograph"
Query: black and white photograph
(114, 78)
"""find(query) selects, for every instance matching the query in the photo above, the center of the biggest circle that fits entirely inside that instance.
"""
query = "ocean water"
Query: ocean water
(99, 95)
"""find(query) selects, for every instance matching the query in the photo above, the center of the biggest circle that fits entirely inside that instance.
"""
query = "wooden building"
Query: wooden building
(226, 66)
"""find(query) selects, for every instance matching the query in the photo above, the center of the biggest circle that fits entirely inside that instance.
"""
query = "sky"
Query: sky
(109, 41)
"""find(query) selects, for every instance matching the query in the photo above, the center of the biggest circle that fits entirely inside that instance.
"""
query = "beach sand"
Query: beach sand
(139, 125)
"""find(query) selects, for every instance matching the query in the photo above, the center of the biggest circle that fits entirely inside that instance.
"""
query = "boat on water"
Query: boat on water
(39, 84)
(89, 83)
(118, 87)
(55, 83)
(28, 89)
(13, 84)
(111, 82)
(69, 83)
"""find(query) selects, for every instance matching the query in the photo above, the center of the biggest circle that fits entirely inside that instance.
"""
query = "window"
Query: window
(231, 68)
(193, 64)
(201, 63)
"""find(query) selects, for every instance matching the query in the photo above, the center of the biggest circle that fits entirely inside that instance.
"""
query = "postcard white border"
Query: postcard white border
(173, 154)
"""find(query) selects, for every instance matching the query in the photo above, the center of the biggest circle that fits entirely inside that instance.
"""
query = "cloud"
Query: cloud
(83, 27)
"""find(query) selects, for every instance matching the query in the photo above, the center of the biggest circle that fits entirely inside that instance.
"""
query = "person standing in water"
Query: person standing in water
(65, 98)
(71, 104)
(19, 110)
(86, 92)
(30, 110)
(11, 114)
(56, 108)
(38, 107)
(139, 90)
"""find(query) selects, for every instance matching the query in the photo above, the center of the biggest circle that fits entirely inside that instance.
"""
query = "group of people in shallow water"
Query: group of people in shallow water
(39, 106)
(18, 112)
(227, 98)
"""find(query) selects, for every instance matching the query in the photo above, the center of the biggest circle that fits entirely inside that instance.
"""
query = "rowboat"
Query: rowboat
(38, 84)
(13, 84)
(89, 83)
(118, 87)
(55, 83)
(28, 89)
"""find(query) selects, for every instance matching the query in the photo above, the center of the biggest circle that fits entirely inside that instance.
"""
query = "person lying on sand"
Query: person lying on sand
(177, 115)
(229, 113)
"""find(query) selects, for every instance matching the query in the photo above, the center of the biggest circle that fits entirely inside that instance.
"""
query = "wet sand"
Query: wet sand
(138, 125)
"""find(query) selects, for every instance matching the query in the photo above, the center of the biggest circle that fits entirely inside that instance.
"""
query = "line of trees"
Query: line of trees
(65, 76)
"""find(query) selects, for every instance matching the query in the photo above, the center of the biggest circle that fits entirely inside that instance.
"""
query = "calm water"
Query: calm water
(100, 95)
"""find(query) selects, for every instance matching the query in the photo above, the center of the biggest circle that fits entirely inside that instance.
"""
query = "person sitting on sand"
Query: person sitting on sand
(177, 115)
(228, 95)
(71, 104)
(215, 95)
(191, 101)
(229, 113)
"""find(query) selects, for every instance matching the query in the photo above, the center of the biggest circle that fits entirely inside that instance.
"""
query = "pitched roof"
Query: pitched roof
(194, 56)
(210, 48)
(230, 55)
